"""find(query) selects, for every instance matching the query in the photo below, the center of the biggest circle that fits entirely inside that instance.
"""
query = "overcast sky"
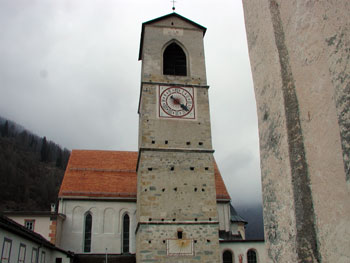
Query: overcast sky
(69, 71)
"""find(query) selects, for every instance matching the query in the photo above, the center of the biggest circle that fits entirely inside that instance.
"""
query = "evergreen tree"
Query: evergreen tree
(5, 129)
(59, 158)
(44, 150)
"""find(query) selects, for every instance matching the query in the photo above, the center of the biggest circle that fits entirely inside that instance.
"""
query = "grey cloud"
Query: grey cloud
(69, 71)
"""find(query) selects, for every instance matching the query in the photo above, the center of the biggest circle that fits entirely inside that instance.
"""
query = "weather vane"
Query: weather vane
(173, 5)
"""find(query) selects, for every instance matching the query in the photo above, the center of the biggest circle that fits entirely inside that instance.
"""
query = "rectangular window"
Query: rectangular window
(6, 250)
(29, 223)
(58, 260)
(22, 253)
(34, 255)
(42, 257)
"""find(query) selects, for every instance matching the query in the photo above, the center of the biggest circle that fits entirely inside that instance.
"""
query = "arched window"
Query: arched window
(126, 234)
(251, 256)
(87, 232)
(174, 61)
(227, 257)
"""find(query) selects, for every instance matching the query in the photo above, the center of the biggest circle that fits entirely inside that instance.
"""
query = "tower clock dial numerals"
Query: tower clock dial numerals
(176, 102)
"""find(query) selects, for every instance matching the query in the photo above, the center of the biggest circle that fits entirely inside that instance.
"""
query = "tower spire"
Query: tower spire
(173, 5)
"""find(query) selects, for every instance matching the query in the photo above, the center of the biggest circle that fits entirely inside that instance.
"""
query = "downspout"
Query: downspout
(37, 256)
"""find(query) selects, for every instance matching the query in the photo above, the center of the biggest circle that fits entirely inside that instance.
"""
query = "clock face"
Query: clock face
(177, 247)
(176, 102)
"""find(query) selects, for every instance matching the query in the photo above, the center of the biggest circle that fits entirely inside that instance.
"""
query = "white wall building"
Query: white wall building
(102, 184)
(18, 244)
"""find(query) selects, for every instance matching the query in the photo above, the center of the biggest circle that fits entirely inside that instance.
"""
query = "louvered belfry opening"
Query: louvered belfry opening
(174, 61)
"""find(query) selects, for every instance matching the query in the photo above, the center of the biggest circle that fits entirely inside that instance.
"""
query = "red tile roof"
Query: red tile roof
(91, 173)
(221, 191)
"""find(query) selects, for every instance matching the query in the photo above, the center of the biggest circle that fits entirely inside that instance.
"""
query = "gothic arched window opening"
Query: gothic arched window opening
(251, 256)
(227, 257)
(87, 232)
(174, 61)
(126, 233)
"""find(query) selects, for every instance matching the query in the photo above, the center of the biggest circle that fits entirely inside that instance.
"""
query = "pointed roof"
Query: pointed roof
(162, 18)
(92, 173)
(235, 217)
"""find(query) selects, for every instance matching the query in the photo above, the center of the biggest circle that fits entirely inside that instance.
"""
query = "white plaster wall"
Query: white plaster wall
(241, 248)
(106, 224)
(42, 223)
(50, 255)
(240, 229)
(107, 233)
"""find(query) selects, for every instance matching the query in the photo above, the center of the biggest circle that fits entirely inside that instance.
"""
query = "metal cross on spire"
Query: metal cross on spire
(173, 5)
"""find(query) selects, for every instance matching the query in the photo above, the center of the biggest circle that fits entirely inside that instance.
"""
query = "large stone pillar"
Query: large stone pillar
(300, 59)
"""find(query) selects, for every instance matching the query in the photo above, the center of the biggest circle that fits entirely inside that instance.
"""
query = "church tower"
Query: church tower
(176, 199)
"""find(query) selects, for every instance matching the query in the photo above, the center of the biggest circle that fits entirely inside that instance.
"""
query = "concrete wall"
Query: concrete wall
(16, 241)
(299, 53)
(106, 224)
(240, 249)
(42, 223)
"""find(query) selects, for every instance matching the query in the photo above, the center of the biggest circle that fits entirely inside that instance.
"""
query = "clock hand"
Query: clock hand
(177, 102)
(184, 107)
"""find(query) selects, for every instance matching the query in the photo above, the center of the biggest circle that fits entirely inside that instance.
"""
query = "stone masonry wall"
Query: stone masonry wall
(170, 133)
(153, 245)
(176, 186)
(299, 53)
(189, 37)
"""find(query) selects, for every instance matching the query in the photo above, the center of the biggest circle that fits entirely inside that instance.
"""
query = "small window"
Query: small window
(126, 233)
(22, 253)
(174, 61)
(227, 257)
(251, 256)
(29, 223)
(6, 250)
(34, 255)
(58, 260)
(87, 233)
(179, 234)
(42, 257)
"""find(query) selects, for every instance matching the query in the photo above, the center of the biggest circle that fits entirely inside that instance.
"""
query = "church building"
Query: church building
(167, 202)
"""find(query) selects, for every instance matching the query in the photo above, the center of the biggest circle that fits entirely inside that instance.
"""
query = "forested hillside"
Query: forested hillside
(31, 169)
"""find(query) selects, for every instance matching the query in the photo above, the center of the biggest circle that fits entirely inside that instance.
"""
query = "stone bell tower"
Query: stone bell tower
(176, 199)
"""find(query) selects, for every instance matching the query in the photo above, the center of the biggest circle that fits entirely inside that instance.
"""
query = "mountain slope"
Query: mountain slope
(29, 176)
